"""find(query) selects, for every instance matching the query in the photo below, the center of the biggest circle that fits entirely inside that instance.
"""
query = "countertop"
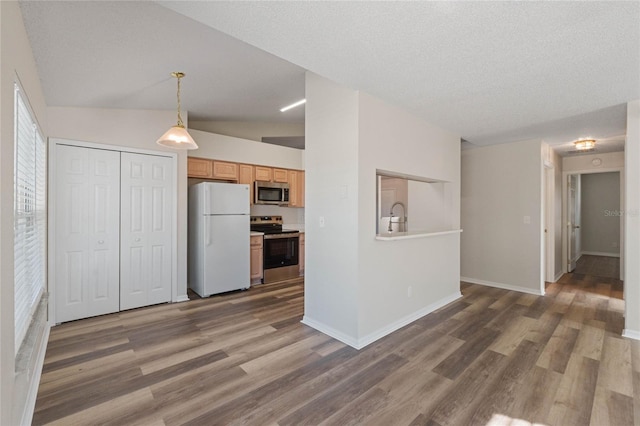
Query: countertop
(415, 234)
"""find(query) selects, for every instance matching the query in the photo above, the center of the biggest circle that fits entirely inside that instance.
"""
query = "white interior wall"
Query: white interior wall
(135, 129)
(356, 287)
(632, 222)
(501, 216)
(600, 203)
(252, 130)
(582, 163)
(16, 60)
(394, 140)
(331, 225)
(430, 206)
(239, 150)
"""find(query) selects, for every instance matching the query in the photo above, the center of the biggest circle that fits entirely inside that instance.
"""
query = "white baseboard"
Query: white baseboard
(330, 331)
(631, 334)
(32, 392)
(558, 276)
(502, 286)
(378, 334)
(182, 298)
(600, 253)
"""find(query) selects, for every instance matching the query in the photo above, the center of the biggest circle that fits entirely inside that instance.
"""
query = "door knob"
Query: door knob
(100, 241)
(137, 240)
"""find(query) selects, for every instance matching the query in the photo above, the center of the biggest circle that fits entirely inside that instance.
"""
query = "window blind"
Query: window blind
(29, 216)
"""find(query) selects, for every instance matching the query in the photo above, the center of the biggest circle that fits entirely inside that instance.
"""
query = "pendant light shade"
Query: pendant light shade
(177, 136)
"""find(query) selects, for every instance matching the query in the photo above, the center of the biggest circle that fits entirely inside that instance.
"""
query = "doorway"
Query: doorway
(593, 221)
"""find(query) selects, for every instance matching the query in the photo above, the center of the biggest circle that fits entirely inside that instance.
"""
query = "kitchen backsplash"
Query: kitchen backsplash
(290, 216)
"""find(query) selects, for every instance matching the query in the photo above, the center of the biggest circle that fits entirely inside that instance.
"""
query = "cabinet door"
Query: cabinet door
(87, 232)
(264, 174)
(256, 259)
(246, 176)
(280, 175)
(146, 240)
(199, 168)
(300, 189)
(224, 170)
(296, 188)
(293, 188)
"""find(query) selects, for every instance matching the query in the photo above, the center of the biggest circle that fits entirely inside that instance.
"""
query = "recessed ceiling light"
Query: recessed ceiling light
(293, 105)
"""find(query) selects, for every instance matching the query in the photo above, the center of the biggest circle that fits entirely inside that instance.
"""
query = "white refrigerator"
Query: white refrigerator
(218, 238)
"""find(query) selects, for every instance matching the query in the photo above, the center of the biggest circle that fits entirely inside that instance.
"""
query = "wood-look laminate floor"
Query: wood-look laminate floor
(598, 266)
(492, 357)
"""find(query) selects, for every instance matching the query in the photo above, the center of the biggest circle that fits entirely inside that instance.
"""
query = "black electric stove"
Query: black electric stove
(269, 225)
(280, 249)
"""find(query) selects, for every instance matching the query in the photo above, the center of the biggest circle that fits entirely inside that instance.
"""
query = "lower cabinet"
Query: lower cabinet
(256, 259)
(301, 254)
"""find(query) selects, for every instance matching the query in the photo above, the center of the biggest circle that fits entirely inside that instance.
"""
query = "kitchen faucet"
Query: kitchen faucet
(404, 212)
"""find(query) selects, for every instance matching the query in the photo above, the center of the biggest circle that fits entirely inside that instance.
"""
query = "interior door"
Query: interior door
(146, 240)
(573, 224)
(87, 232)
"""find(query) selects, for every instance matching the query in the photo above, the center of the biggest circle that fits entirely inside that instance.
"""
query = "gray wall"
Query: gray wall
(600, 193)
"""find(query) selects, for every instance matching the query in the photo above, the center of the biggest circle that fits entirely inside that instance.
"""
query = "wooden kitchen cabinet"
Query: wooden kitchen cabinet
(300, 189)
(199, 167)
(247, 176)
(225, 170)
(256, 259)
(301, 254)
(296, 188)
(264, 174)
(280, 175)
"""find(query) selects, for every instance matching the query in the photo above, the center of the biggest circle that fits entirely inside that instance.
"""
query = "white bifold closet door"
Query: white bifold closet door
(146, 239)
(87, 232)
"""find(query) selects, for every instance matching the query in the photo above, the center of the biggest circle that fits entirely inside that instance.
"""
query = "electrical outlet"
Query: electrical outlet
(321, 221)
(409, 292)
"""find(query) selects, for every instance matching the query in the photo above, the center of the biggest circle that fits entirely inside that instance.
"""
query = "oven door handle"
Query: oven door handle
(277, 236)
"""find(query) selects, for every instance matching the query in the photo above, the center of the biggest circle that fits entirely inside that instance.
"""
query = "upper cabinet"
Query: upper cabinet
(247, 176)
(264, 174)
(225, 171)
(296, 188)
(280, 175)
(205, 168)
(199, 167)
(211, 169)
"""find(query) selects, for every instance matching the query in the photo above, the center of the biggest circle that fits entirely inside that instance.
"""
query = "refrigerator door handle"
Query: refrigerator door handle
(207, 198)
(207, 232)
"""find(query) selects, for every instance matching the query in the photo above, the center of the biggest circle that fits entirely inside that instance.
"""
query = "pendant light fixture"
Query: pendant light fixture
(177, 137)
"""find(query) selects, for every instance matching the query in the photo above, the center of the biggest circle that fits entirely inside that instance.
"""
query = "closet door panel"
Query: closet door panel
(146, 203)
(87, 232)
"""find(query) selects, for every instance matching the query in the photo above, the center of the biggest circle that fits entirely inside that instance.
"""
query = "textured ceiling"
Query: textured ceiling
(493, 72)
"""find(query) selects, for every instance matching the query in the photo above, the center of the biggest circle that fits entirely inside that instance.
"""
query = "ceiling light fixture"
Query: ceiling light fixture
(584, 144)
(177, 137)
(293, 105)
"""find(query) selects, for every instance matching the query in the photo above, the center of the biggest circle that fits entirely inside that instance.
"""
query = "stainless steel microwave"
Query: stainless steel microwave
(271, 193)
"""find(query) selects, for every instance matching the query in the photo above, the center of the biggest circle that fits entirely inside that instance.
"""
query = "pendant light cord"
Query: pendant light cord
(180, 123)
